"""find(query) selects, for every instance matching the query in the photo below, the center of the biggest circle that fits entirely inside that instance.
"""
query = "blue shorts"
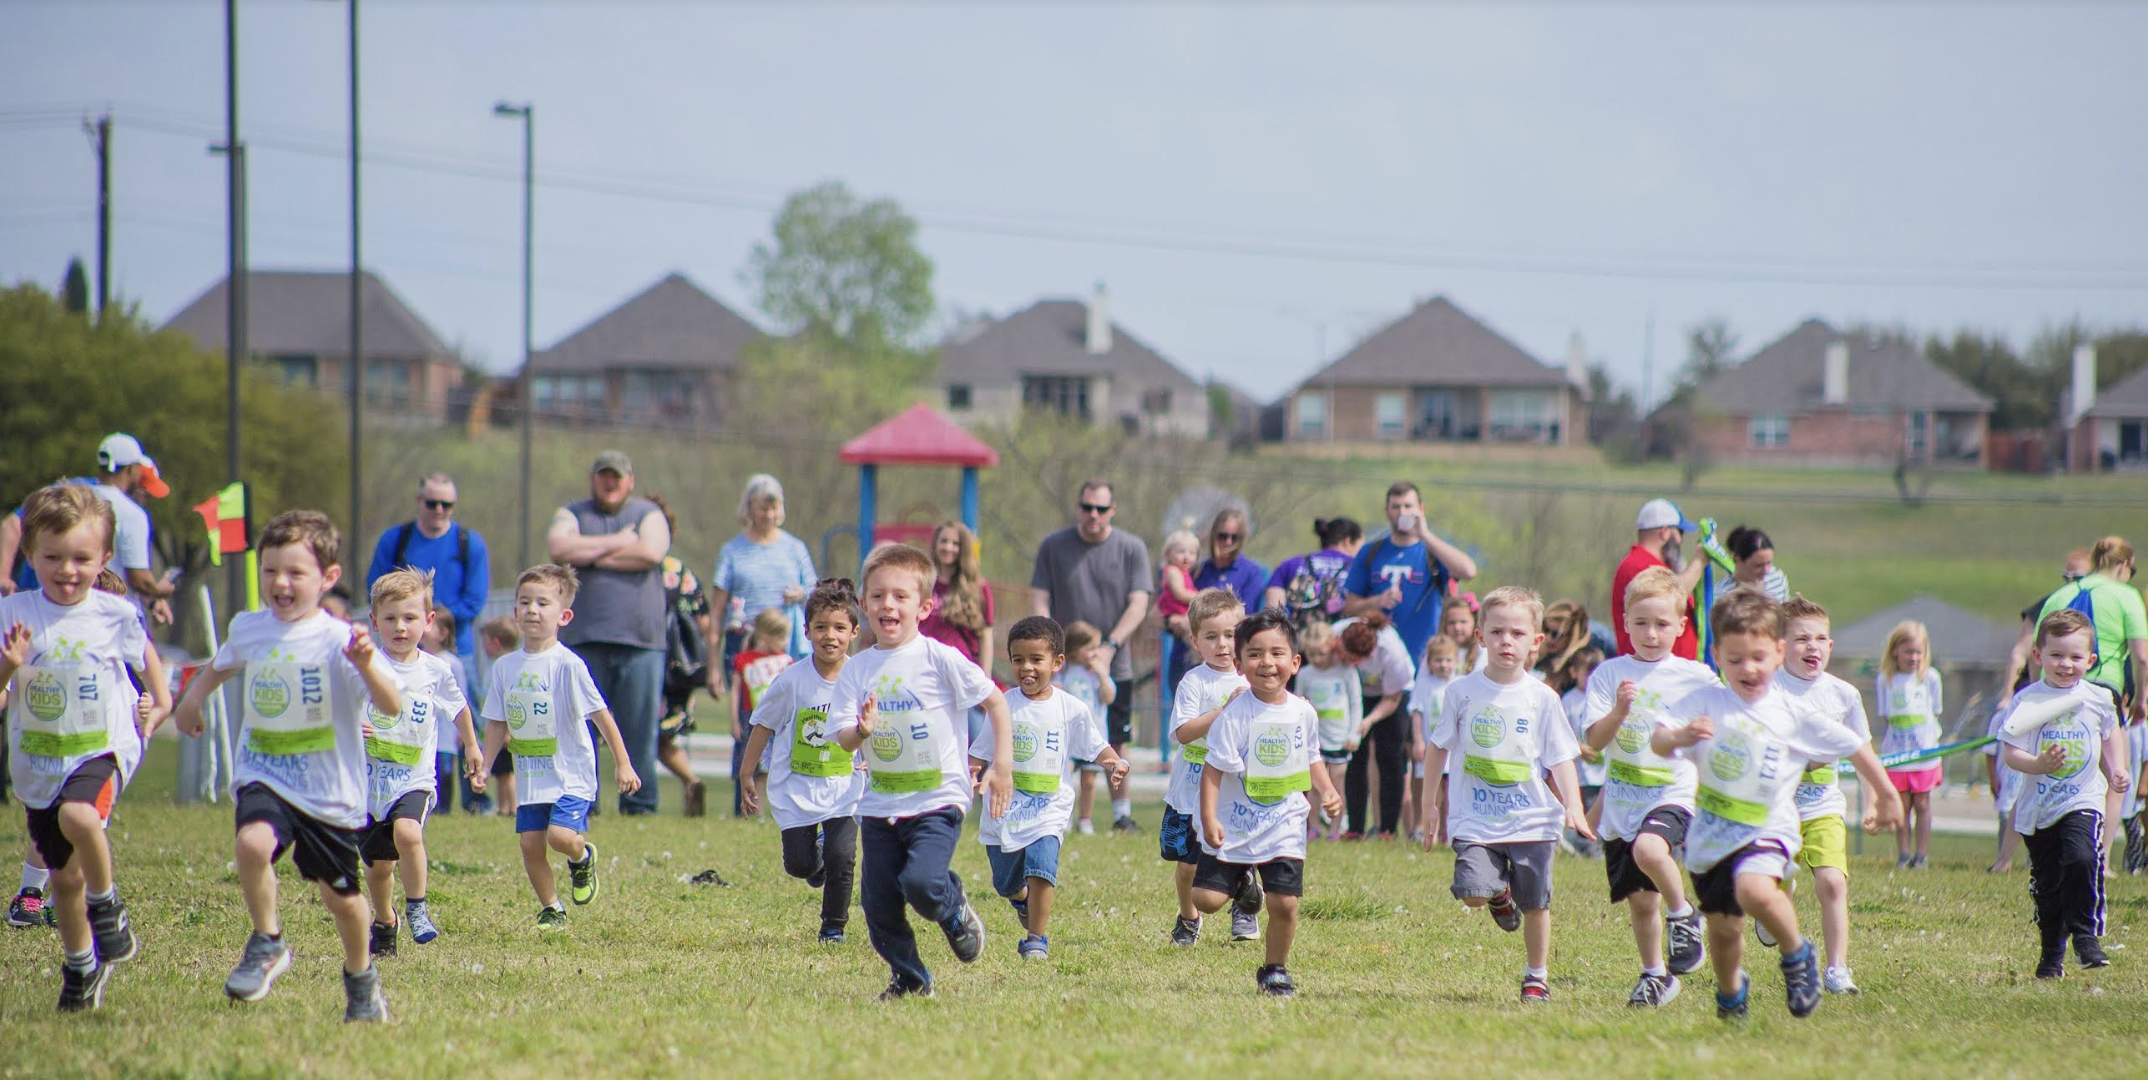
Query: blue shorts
(1011, 868)
(570, 812)
(1175, 840)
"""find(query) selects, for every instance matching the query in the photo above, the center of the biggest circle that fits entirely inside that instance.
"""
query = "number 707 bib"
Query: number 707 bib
(61, 714)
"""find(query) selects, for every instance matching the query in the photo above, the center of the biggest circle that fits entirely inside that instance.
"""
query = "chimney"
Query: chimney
(1835, 376)
(1577, 362)
(2084, 383)
(1099, 338)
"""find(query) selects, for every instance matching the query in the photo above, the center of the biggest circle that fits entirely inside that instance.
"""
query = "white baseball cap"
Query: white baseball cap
(119, 450)
(1662, 513)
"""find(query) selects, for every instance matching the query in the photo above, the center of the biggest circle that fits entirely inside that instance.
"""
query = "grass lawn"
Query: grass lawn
(660, 977)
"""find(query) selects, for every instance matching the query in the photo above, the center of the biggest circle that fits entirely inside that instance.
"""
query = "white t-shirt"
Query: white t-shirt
(2008, 789)
(925, 690)
(2136, 756)
(1636, 779)
(1050, 736)
(73, 701)
(1909, 709)
(1337, 697)
(1203, 689)
(1389, 669)
(1819, 792)
(1576, 704)
(1500, 741)
(1750, 770)
(544, 699)
(810, 778)
(2079, 784)
(1083, 684)
(300, 704)
(399, 756)
(1428, 702)
(1263, 755)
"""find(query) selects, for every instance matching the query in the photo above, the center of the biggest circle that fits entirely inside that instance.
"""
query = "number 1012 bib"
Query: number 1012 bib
(286, 709)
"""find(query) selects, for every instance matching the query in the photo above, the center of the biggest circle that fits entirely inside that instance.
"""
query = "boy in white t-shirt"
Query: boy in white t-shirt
(74, 736)
(300, 781)
(1751, 745)
(1053, 731)
(2069, 761)
(1214, 615)
(1337, 694)
(907, 701)
(813, 784)
(1263, 767)
(1087, 676)
(400, 785)
(1647, 799)
(535, 703)
(1503, 731)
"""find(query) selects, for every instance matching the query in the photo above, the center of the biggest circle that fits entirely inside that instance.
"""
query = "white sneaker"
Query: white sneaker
(1086, 828)
(1836, 980)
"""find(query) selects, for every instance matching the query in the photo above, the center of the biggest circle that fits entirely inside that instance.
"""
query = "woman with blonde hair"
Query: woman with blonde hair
(962, 609)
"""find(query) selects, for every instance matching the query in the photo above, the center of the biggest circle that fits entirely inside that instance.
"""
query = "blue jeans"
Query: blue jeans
(632, 682)
(905, 862)
(1011, 870)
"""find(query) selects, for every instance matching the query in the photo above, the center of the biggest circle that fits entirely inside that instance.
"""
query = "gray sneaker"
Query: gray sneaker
(965, 934)
(81, 991)
(1185, 932)
(1244, 927)
(362, 1002)
(1245, 907)
(1688, 943)
(1653, 991)
(113, 932)
(264, 959)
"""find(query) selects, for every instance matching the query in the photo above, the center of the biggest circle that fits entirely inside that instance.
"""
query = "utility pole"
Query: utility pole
(235, 325)
(527, 113)
(100, 133)
(357, 357)
(1648, 359)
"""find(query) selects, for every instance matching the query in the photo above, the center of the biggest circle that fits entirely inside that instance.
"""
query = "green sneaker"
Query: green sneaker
(584, 875)
(551, 918)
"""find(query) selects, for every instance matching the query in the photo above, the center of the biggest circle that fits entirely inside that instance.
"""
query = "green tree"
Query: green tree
(1710, 345)
(845, 268)
(2024, 397)
(74, 288)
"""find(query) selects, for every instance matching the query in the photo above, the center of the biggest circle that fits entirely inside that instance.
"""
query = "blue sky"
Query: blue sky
(1248, 180)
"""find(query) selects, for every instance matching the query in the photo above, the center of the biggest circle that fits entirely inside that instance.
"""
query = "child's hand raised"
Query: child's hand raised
(15, 647)
(1628, 693)
(868, 714)
(360, 651)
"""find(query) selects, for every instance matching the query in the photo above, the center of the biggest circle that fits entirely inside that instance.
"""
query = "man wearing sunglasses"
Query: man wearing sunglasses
(455, 553)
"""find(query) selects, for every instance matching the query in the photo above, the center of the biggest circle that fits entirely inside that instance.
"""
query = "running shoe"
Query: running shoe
(1274, 981)
(29, 909)
(1185, 932)
(1901, 862)
(422, 929)
(1761, 935)
(551, 918)
(1836, 980)
(1034, 947)
(1653, 991)
(1085, 827)
(1244, 927)
(2053, 965)
(1801, 980)
(965, 934)
(1124, 824)
(898, 989)
(113, 932)
(584, 875)
(1688, 943)
(1734, 1006)
(81, 991)
(2090, 952)
(362, 1001)
(1919, 862)
(1504, 913)
(1534, 991)
(831, 935)
(382, 940)
(264, 959)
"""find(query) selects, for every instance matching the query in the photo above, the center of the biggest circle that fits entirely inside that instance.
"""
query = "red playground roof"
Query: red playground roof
(919, 436)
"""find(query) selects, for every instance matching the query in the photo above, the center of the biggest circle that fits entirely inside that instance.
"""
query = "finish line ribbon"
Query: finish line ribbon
(1917, 757)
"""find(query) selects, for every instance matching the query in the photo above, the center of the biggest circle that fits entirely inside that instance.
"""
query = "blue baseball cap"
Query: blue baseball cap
(1661, 513)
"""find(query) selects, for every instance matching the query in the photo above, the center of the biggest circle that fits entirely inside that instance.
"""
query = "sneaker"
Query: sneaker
(1653, 991)
(1504, 913)
(113, 932)
(2090, 951)
(1801, 980)
(1085, 827)
(1185, 932)
(264, 959)
(697, 799)
(1761, 935)
(1836, 980)
(422, 929)
(1733, 1006)
(551, 918)
(1352, 834)
(898, 989)
(584, 875)
(2052, 966)
(1534, 991)
(81, 991)
(29, 909)
(1034, 947)
(362, 1002)
(965, 934)
(1124, 824)
(1919, 862)
(382, 942)
(1901, 862)
(1688, 943)
(1244, 927)
(1274, 981)
(831, 936)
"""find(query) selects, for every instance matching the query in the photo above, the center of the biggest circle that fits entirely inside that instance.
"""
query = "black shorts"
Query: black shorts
(95, 782)
(1280, 877)
(1627, 877)
(503, 765)
(1119, 715)
(1174, 839)
(1716, 890)
(324, 853)
(379, 842)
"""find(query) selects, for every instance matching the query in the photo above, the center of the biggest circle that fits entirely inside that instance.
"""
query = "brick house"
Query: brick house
(2109, 428)
(1438, 375)
(663, 358)
(1068, 357)
(299, 325)
(1820, 397)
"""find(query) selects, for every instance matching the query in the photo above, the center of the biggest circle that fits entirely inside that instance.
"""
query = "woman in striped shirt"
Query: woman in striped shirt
(1755, 555)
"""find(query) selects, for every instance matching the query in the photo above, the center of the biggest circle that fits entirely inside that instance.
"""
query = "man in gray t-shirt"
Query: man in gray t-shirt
(1099, 575)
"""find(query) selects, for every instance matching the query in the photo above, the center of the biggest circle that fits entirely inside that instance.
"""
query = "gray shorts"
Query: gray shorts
(1487, 870)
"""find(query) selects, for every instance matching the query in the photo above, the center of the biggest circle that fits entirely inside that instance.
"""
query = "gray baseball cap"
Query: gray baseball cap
(615, 460)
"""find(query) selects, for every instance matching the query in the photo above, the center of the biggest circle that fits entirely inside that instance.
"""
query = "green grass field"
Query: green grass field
(660, 977)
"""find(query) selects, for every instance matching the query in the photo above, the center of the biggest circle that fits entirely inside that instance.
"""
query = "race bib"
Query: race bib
(1039, 757)
(1630, 761)
(404, 738)
(531, 725)
(904, 756)
(1278, 765)
(1741, 774)
(286, 709)
(812, 754)
(1498, 749)
(61, 714)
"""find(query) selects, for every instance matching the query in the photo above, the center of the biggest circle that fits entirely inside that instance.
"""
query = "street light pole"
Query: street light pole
(528, 115)
(357, 350)
(235, 324)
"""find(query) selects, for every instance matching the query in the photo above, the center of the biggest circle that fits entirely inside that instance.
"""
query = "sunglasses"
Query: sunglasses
(439, 504)
(1091, 508)
(2071, 576)
(1229, 537)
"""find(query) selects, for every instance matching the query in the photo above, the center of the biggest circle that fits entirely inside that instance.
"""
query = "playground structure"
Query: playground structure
(919, 435)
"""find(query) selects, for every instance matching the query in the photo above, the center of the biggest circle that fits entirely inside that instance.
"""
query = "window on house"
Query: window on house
(1313, 414)
(1156, 402)
(1436, 415)
(1389, 412)
(958, 395)
(1770, 432)
(1521, 415)
(297, 370)
(1920, 435)
(388, 381)
(1067, 395)
(652, 395)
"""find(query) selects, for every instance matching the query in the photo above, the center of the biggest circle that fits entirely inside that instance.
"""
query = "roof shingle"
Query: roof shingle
(671, 324)
(1437, 344)
(1050, 337)
(1889, 374)
(308, 313)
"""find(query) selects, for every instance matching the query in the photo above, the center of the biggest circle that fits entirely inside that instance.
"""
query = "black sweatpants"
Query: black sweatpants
(805, 851)
(2066, 878)
(1386, 747)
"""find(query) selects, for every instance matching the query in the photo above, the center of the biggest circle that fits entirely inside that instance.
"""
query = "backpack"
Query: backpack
(2084, 601)
(1372, 556)
(686, 650)
(462, 547)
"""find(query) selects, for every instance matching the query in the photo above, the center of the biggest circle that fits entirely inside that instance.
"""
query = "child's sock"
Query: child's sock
(82, 961)
(587, 854)
(1121, 808)
(1537, 973)
(1659, 971)
(414, 904)
(35, 877)
(104, 899)
(1683, 911)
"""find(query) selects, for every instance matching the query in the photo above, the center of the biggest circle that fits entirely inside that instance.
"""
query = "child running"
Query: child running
(813, 784)
(1909, 703)
(2070, 762)
(1647, 797)
(1571, 682)
(535, 705)
(909, 697)
(498, 637)
(1337, 696)
(1214, 615)
(765, 656)
(1052, 729)
(1751, 745)
(1428, 702)
(399, 750)
(1262, 754)
(300, 784)
(75, 733)
(1502, 731)
(1088, 678)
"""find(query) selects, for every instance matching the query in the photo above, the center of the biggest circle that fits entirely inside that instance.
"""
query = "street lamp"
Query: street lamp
(527, 113)
(354, 377)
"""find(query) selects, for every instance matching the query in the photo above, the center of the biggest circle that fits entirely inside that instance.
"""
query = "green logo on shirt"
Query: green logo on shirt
(270, 694)
(1732, 758)
(887, 745)
(1488, 728)
(1025, 742)
(46, 696)
(1632, 735)
(1271, 749)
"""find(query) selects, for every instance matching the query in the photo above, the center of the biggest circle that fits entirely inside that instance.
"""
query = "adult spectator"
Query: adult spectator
(962, 607)
(2021, 661)
(1754, 554)
(1373, 646)
(1404, 575)
(1659, 531)
(2108, 598)
(1227, 567)
(1310, 586)
(1101, 576)
(453, 552)
(762, 567)
(617, 543)
(123, 470)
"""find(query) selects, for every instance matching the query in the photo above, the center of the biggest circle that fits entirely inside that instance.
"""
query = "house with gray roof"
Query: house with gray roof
(1068, 357)
(299, 325)
(1818, 396)
(1438, 374)
(666, 357)
(2105, 429)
